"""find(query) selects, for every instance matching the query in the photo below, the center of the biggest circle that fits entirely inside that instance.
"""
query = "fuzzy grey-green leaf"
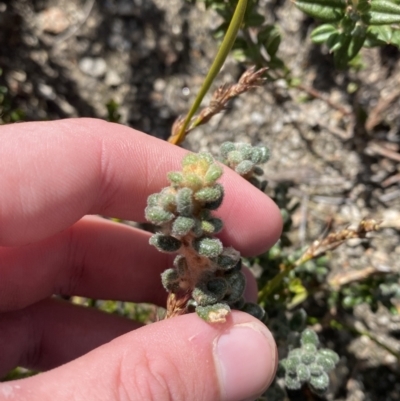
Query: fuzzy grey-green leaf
(254, 310)
(182, 225)
(158, 215)
(184, 202)
(170, 279)
(210, 247)
(309, 336)
(244, 167)
(226, 147)
(214, 313)
(320, 382)
(175, 177)
(213, 173)
(165, 243)
(208, 194)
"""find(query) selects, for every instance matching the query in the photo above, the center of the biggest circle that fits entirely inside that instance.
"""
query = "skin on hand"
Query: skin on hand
(53, 175)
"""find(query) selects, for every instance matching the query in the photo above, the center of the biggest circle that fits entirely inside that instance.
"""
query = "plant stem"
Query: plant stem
(221, 56)
(272, 285)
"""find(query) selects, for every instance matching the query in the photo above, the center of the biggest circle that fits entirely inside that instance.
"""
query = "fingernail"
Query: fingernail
(245, 357)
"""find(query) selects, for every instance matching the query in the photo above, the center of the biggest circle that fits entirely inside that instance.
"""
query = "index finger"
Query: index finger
(53, 173)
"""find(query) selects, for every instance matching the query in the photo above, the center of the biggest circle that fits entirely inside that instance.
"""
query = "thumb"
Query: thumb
(180, 359)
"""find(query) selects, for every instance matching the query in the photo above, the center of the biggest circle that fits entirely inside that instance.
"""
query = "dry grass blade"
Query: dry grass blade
(342, 279)
(333, 240)
(249, 80)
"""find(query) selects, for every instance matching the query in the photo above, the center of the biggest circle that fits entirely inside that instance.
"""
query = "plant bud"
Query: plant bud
(213, 173)
(207, 157)
(190, 159)
(192, 180)
(308, 357)
(175, 177)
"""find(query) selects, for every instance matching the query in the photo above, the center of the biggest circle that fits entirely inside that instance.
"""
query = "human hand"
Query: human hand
(52, 176)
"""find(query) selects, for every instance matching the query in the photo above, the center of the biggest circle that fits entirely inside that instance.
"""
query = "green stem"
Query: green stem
(273, 285)
(221, 56)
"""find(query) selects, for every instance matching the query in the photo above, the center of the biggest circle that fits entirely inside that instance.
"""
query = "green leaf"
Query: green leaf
(273, 45)
(382, 12)
(322, 33)
(383, 33)
(346, 46)
(254, 19)
(270, 38)
(385, 6)
(382, 18)
(363, 6)
(356, 42)
(335, 41)
(396, 37)
(326, 10)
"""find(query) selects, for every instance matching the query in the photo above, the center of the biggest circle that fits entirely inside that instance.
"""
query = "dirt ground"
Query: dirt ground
(336, 140)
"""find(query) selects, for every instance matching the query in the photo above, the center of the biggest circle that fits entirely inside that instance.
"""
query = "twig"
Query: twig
(333, 240)
(318, 95)
(343, 279)
(383, 151)
(376, 114)
(390, 196)
(391, 180)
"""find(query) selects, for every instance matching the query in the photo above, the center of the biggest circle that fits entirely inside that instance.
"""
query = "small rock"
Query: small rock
(112, 78)
(159, 85)
(46, 91)
(95, 67)
(53, 20)
(257, 118)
